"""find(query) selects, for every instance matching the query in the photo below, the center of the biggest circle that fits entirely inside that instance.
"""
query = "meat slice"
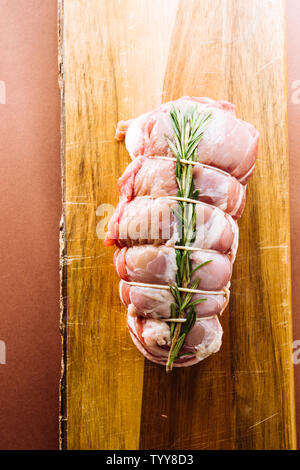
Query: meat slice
(152, 221)
(156, 177)
(146, 301)
(228, 143)
(157, 265)
(156, 303)
(152, 338)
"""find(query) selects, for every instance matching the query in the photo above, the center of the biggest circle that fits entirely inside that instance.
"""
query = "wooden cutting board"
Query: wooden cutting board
(120, 59)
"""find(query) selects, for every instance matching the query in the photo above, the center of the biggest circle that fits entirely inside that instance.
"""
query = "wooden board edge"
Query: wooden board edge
(62, 244)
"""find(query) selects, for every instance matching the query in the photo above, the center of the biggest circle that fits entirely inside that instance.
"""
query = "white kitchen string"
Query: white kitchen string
(190, 162)
(185, 199)
(224, 292)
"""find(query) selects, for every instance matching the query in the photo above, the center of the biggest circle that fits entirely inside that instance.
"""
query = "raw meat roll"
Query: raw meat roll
(191, 155)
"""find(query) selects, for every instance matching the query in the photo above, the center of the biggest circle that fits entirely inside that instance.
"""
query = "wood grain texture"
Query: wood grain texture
(122, 58)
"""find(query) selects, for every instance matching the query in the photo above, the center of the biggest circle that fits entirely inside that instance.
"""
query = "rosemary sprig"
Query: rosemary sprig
(188, 128)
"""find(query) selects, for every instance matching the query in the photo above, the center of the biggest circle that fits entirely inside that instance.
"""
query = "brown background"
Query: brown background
(30, 210)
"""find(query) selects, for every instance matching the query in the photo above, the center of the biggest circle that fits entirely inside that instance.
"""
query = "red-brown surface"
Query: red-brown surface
(30, 210)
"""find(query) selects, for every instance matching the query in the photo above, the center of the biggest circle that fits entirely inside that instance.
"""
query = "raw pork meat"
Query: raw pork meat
(145, 228)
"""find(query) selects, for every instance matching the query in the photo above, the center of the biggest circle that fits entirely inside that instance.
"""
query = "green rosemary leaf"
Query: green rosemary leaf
(174, 311)
(176, 294)
(174, 314)
(176, 349)
(178, 258)
(200, 266)
(195, 194)
(195, 284)
(195, 302)
(173, 113)
(192, 148)
(188, 353)
(172, 147)
(182, 263)
(177, 213)
(173, 292)
(185, 302)
(190, 321)
(189, 295)
(188, 181)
